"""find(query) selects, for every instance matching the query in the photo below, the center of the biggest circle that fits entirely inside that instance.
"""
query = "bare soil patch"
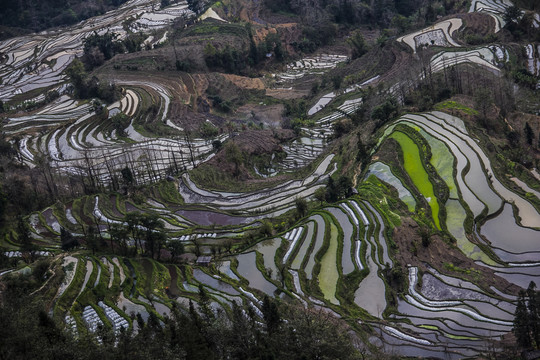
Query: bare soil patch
(271, 115)
(245, 82)
(251, 143)
(439, 253)
(476, 23)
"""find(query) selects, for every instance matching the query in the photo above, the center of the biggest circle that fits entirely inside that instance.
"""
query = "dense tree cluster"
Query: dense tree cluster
(380, 12)
(87, 86)
(315, 37)
(28, 332)
(39, 15)
(527, 318)
(100, 48)
(233, 60)
(338, 189)
(229, 58)
(521, 24)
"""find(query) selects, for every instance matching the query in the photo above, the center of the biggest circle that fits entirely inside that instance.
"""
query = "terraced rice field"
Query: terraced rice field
(478, 186)
(80, 144)
(37, 61)
(483, 56)
(315, 255)
(444, 316)
(275, 200)
(312, 65)
(439, 34)
(384, 173)
(494, 8)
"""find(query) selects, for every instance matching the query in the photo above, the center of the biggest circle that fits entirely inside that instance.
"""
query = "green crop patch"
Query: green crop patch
(453, 105)
(418, 174)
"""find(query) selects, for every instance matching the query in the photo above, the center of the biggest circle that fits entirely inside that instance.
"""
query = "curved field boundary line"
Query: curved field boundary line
(448, 27)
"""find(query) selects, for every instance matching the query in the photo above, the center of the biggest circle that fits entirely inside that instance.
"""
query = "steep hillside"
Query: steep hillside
(249, 179)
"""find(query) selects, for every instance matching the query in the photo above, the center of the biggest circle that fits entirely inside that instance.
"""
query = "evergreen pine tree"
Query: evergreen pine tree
(521, 323)
(529, 134)
(271, 315)
(533, 315)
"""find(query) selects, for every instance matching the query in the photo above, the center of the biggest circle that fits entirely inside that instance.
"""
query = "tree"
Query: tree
(521, 322)
(424, 235)
(119, 123)
(92, 239)
(118, 234)
(266, 228)
(513, 138)
(234, 155)
(529, 134)
(217, 144)
(401, 22)
(336, 81)
(204, 303)
(482, 102)
(431, 15)
(103, 44)
(534, 313)
(208, 130)
(385, 112)
(317, 333)
(67, 240)
(357, 44)
(271, 316)
(336, 190)
(176, 248)
(77, 74)
(127, 176)
(362, 153)
(512, 15)
(301, 206)
(342, 127)
(320, 195)
(154, 236)
(23, 232)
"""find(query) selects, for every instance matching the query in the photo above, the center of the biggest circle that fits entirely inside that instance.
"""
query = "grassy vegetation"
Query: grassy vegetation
(450, 105)
(475, 274)
(64, 303)
(213, 27)
(161, 279)
(329, 273)
(415, 168)
(443, 161)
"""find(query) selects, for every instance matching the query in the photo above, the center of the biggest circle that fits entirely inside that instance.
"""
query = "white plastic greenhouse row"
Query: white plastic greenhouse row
(91, 318)
(16, 254)
(292, 236)
(116, 320)
(71, 324)
(193, 237)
